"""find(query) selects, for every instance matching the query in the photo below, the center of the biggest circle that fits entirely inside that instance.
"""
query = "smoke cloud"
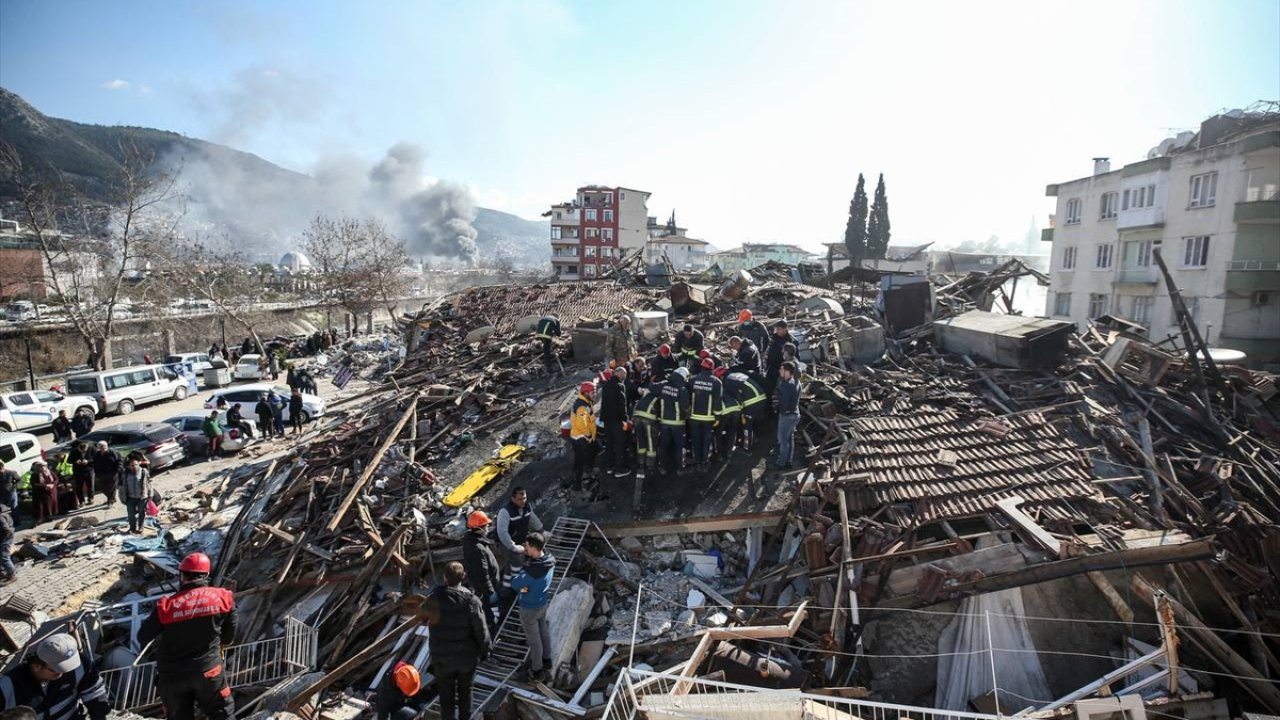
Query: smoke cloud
(263, 208)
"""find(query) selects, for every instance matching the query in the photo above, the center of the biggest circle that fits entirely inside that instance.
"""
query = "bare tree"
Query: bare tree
(358, 263)
(222, 276)
(109, 255)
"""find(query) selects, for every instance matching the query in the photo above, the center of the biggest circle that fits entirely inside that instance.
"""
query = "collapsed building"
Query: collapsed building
(995, 515)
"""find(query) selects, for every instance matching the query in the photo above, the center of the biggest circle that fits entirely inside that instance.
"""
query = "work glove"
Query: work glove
(518, 549)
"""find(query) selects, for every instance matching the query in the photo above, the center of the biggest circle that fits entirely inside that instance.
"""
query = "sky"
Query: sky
(752, 120)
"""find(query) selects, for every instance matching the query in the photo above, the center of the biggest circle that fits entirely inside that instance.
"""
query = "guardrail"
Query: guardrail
(1253, 265)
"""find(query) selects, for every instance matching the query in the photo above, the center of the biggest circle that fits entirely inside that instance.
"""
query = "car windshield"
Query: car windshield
(158, 434)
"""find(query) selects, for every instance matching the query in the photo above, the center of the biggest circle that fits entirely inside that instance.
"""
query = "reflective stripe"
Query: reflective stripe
(643, 415)
(729, 409)
(96, 691)
(752, 401)
(675, 423)
(702, 418)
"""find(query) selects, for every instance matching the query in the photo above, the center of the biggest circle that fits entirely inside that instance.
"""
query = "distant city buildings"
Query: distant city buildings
(1209, 201)
(755, 254)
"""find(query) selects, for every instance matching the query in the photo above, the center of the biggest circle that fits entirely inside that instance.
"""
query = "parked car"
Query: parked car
(192, 425)
(196, 362)
(124, 389)
(247, 368)
(161, 443)
(246, 396)
(18, 450)
(36, 410)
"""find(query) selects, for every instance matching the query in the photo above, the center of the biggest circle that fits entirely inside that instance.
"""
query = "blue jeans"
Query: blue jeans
(6, 559)
(135, 510)
(786, 437)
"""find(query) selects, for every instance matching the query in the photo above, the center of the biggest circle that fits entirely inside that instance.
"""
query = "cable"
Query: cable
(1114, 659)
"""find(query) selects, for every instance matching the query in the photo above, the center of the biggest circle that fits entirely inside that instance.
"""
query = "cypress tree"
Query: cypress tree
(855, 232)
(878, 224)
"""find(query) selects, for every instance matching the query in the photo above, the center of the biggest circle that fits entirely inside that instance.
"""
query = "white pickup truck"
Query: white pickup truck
(36, 409)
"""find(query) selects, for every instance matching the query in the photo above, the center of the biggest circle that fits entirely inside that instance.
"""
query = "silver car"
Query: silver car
(162, 444)
(192, 426)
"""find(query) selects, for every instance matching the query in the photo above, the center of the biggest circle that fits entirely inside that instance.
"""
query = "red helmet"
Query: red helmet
(587, 388)
(196, 564)
(664, 350)
(704, 353)
(606, 375)
(719, 372)
(477, 519)
(707, 364)
(744, 316)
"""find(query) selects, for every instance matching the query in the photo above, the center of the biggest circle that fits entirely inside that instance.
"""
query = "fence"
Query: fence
(256, 663)
(640, 692)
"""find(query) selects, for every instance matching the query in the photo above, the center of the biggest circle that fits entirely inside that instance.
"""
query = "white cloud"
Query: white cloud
(116, 84)
(144, 89)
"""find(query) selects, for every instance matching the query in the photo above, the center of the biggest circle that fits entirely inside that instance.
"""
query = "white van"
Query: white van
(18, 450)
(123, 389)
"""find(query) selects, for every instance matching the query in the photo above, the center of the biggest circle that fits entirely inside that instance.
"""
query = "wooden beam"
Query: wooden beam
(692, 525)
(360, 658)
(372, 466)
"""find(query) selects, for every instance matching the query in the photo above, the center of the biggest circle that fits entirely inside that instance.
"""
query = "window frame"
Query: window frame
(1199, 246)
(1108, 205)
(1075, 210)
(1104, 256)
(1099, 300)
(1068, 258)
(1204, 191)
(1060, 299)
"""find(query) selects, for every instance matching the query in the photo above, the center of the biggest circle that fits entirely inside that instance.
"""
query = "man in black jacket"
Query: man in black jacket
(459, 641)
(774, 360)
(746, 357)
(788, 413)
(673, 413)
(616, 420)
(57, 682)
(663, 365)
(688, 344)
(751, 329)
(107, 468)
(481, 566)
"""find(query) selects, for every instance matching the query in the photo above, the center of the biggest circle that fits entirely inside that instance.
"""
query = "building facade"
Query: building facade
(593, 231)
(755, 254)
(1209, 203)
(685, 253)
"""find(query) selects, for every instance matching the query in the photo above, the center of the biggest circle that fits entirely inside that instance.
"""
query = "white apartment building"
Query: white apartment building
(1210, 203)
(685, 253)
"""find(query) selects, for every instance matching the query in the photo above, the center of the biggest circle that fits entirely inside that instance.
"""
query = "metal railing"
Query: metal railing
(253, 663)
(1253, 265)
(640, 692)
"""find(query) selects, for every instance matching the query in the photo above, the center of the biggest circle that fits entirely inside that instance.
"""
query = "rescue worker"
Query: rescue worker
(663, 365)
(616, 421)
(788, 413)
(751, 396)
(516, 520)
(751, 329)
(673, 411)
(582, 433)
(548, 327)
(637, 377)
(705, 354)
(774, 358)
(746, 357)
(688, 343)
(57, 682)
(481, 565)
(704, 406)
(620, 343)
(645, 420)
(191, 629)
(405, 698)
(729, 425)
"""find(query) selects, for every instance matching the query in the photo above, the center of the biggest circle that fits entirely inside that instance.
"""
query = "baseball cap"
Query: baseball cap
(59, 652)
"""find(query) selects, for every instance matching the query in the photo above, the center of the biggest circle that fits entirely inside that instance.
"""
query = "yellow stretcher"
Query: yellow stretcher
(485, 474)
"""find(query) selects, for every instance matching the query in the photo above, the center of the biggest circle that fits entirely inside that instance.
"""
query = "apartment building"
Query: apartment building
(592, 232)
(1209, 202)
(756, 254)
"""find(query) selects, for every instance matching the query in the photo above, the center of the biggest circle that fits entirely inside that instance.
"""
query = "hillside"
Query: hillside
(229, 192)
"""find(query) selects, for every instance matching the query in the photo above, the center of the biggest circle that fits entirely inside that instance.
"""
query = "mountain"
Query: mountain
(229, 192)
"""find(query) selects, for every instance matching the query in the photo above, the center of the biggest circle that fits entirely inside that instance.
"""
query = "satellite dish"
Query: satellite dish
(1166, 145)
(1183, 138)
(1153, 153)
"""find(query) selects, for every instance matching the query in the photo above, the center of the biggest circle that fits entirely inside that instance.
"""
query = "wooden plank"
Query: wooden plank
(360, 658)
(762, 632)
(372, 466)
(699, 525)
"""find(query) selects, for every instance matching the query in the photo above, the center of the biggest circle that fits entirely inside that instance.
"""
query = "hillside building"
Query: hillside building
(1209, 201)
(591, 233)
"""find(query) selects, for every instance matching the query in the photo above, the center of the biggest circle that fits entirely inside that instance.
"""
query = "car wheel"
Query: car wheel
(306, 417)
(180, 393)
(5, 428)
(125, 407)
(93, 411)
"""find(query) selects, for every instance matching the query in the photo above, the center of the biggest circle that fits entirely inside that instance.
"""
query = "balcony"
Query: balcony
(1140, 217)
(564, 240)
(567, 218)
(555, 254)
(1137, 276)
(1251, 275)
(1258, 211)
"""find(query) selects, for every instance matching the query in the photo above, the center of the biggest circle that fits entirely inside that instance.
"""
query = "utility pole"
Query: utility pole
(31, 370)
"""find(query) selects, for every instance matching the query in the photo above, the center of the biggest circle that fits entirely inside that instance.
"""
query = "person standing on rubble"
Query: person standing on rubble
(9, 480)
(689, 343)
(81, 460)
(137, 491)
(750, 396)
(404, 698)
(548, 327)
(481, 565)
(663, 365)
(191, 629)
(746, 358)
(751, 329)
(57, 682)
(774, 358)
(728, 418)
(532, 586)
(459, 641)
(620, 343)
(673, 411)
(705, 406)
(645, 420)
(516, 520)
(788, 413)
(582, 433)
(617, 422)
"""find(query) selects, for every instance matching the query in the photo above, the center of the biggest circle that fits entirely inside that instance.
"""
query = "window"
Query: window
(1108, 205)
(1195, 251)
(1204, 190)
(593, 232)
(1137, 198)
(21, 399)
(1137, 253)
(1069, 258)
(1062, 304)
(556, 231)
(1142, 309)
(589, 251)
(622, 195)
(46, 396)
(591, 213)
(589, 270)
(1103, 260)
(608, 233)
(1073, 211)
(608, 198)
(608, 216)
(606, 252)
(1097, 305)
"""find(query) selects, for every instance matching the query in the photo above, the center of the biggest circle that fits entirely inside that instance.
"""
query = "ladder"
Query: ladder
(508, 649)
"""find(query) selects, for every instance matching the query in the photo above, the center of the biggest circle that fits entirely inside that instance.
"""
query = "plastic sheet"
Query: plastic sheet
(966, 676)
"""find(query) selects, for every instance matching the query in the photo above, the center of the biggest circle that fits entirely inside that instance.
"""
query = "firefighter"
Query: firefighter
(751, 329)
(646, 420)
(548, 327)
(673, 411)
(729, 426)
(57, 682)
(751, 395)
(191, 628)
(704, 406)
(746, 357)
(688, 343)
(663, 365)
(582, 432)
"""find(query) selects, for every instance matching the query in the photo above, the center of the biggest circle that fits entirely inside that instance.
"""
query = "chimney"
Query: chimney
(1101, 166)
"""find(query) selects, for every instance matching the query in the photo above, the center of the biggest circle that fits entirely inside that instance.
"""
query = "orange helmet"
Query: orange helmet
(744, 316)
(477, 519)
(407, 678)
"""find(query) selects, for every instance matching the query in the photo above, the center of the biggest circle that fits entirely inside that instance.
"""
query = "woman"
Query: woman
(44, 492)
(137, 491)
